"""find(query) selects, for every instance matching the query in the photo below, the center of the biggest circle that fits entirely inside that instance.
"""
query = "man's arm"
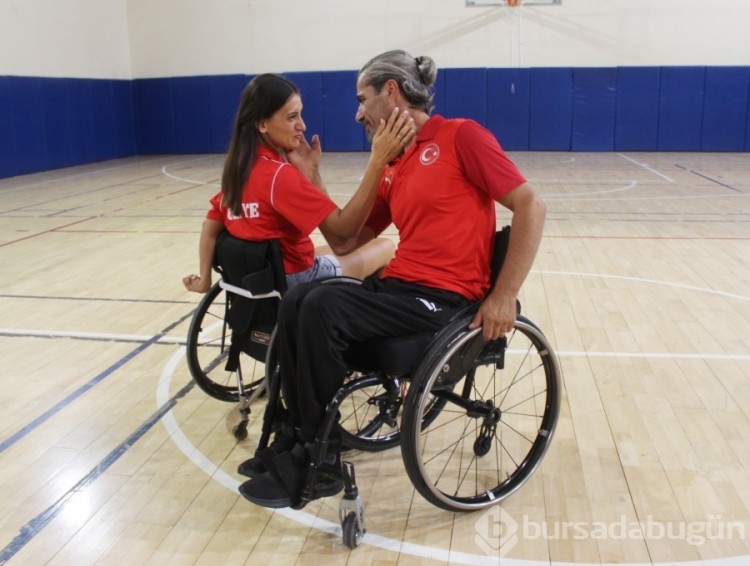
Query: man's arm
(497, 313)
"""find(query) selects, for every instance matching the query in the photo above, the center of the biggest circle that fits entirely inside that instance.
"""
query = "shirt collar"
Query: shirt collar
(427, 132)
(265, 151)
(430, 128)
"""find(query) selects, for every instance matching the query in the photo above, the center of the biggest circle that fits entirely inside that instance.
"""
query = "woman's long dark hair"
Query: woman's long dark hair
(262, 97)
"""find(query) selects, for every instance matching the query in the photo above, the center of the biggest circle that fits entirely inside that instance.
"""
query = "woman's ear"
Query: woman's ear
(261, 126)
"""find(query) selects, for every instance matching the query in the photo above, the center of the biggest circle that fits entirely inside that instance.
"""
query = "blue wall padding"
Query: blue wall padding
(57, 123)
(551, 109)
(311, 88)
(725, 109)
(48, 123)
(681, 108)
(225, 92)
(340, 131)
(123, 118)
(27, 124)
(465, 94)
(594, 109)
(438, 95)
(154, 122)
(508, 107)
(637, 109)
(102, 121)
(80, 99)
(192, 114)
(8, 166)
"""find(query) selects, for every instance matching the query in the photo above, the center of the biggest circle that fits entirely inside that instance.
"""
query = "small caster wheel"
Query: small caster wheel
(482, 445)
(350, 530)
(240, 431)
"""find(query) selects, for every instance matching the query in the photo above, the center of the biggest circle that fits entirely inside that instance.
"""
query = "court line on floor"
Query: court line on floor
(35, 525)
(395, 545)
(630, 278)
(96, 336)
(647, 167)
(60, 405)
(165, 405)
(180, 340)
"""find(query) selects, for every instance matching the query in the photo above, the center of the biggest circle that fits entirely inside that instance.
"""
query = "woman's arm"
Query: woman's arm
(341, 228)
(202, 283)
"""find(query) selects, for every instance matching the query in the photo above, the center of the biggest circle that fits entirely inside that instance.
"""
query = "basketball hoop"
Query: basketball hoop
(514, 3)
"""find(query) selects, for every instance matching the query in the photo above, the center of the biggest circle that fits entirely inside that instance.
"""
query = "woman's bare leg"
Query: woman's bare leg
(365, 260)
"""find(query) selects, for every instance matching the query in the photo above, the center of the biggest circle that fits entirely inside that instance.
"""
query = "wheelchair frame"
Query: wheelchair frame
(215, 362)
(500, 398)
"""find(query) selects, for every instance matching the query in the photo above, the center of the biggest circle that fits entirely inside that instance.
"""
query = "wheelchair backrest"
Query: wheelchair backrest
(499, 249)
(236, 259)
(257, 267)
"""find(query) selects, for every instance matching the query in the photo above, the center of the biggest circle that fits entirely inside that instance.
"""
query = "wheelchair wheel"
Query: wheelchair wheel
(501, 404)
(350, 531)
(207, 348)
(371, 412)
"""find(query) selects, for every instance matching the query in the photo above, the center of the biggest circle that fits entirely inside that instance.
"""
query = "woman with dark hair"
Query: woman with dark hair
(271, 189)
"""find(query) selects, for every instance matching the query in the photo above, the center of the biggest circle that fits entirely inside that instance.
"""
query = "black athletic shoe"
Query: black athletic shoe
(283, 441)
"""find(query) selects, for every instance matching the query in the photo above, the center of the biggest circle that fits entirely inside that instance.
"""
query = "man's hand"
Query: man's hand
(496, 316)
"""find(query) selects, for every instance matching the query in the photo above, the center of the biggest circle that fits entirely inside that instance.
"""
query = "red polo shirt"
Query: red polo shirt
(278, 202)
(440, 195)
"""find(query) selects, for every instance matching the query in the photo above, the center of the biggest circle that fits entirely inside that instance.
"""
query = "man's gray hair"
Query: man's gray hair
(414, 75)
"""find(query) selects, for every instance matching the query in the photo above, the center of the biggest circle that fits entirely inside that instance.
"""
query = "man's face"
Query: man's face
(372, 107)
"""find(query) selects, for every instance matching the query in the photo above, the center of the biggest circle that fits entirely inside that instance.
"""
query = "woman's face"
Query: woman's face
(285, 129)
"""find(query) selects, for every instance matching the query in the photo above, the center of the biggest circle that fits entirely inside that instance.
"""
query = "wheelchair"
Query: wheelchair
(228, 337)
(227, 345)
(473, 418)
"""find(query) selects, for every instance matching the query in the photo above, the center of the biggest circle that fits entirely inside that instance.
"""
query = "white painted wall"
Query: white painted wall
(158, 38)
(65, 38)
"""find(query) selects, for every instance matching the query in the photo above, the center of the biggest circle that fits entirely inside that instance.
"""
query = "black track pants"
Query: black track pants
(318, 321)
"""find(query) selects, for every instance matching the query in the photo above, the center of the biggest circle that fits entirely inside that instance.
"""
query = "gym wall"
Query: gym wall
(90, 80)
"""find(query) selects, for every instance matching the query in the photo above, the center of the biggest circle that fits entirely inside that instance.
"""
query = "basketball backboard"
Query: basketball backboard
(505, 2)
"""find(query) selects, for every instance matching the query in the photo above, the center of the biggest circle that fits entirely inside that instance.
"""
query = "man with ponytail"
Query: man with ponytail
(440, 193)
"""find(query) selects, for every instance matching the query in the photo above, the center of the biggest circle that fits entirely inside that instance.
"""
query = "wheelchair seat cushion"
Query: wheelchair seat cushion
(394, 355)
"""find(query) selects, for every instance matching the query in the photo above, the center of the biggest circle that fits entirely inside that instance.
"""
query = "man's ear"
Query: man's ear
(392, 90)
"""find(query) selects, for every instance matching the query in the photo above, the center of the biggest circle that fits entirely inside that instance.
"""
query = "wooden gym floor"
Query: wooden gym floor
(108, 455)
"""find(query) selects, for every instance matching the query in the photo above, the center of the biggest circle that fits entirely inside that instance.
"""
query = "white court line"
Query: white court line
(646, 167)
(744, 298)
(567, 196)
(21, 332)
(182, 179)
(371, 538)
(397, 546)
(89, 335)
